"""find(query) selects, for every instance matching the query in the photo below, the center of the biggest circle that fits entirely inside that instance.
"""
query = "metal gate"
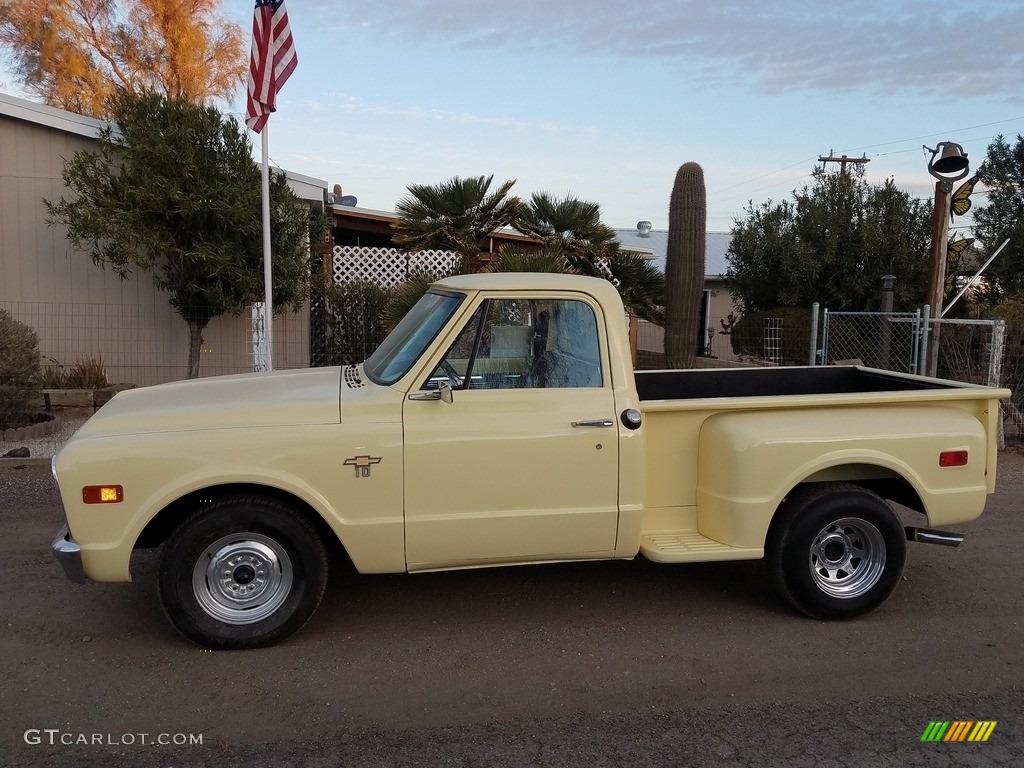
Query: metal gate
(889, 340)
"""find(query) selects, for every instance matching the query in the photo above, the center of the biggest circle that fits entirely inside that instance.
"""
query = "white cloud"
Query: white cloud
(938, 47)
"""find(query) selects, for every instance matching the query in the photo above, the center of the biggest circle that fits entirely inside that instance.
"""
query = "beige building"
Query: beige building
(80, 310)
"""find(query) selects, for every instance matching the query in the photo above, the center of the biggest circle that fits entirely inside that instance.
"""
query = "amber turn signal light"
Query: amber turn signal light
(103, 494)
(953, 459)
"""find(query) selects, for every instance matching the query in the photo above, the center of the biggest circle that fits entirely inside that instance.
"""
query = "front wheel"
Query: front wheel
(242, 572)
(836, 551)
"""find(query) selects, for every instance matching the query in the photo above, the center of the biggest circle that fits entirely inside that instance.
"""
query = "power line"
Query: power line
(867, 147)
(843, 160)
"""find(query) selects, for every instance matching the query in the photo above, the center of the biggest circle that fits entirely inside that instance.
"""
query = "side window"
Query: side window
(568, 354)
(525, 343)
(456, 360)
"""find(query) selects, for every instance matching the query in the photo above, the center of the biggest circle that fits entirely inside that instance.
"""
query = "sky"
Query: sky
(605, 99)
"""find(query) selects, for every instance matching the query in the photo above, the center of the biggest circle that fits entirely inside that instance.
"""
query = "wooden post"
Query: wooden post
(937, 267)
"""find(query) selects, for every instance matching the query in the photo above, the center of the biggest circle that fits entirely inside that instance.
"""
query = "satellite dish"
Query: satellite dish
(348, 200)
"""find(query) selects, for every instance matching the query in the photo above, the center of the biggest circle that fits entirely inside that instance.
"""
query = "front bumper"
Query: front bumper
(69, 555)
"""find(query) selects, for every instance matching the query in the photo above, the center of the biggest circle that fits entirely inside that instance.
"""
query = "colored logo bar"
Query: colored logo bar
(958, 730)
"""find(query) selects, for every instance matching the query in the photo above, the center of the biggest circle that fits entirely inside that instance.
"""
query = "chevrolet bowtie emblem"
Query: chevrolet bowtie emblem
(362, 464)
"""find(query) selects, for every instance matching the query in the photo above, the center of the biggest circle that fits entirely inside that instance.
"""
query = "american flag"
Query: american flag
(272, 63)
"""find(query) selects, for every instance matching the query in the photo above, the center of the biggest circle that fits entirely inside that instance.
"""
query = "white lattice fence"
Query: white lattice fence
(387, 266)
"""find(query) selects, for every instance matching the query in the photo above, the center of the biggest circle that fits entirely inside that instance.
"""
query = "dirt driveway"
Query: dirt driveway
(586, 664)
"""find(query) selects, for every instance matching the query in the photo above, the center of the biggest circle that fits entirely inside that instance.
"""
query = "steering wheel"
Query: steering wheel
(452, 374)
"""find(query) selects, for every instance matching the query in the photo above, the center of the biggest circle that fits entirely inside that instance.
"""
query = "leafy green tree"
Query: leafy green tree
(1002, 174)
(458, 215)
(173, 190)
(832, 244)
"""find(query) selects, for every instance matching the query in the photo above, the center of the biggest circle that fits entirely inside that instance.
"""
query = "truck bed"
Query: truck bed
(766, 382)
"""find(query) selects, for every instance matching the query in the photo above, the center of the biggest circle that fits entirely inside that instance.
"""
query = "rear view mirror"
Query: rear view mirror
(446, 392)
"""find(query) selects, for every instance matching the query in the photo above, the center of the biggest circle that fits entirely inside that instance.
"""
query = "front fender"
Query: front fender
(306, 462)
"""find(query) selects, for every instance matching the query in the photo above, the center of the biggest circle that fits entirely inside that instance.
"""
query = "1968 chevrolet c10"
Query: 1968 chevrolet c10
(501, 423)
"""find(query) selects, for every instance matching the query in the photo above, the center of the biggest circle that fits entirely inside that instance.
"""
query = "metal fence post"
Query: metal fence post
(814, 335)
(995, 368)
(922, 355)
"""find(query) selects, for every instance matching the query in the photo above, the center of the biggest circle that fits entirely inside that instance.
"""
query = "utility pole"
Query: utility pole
(843, 160)
(948, 163)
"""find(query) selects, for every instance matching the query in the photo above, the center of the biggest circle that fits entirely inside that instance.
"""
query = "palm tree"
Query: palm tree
(576, 241)
(640, 284)
(461, 214)
(572, 227)
(458, 214)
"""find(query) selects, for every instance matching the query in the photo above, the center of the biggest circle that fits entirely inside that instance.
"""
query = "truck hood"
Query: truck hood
(286, 398)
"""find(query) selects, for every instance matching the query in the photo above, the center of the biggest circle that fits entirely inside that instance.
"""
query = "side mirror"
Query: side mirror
(446, 392)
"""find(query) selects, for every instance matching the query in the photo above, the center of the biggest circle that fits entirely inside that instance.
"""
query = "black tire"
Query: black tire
(835, 550)
(242, 572)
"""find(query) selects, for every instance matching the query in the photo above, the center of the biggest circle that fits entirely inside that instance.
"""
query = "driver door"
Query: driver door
(522, 465)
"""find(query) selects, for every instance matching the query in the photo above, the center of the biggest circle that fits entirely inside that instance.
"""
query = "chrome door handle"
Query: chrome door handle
(594, 423)
(430, 395)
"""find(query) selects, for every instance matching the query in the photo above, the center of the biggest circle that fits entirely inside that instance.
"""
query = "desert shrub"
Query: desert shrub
(354, 321)
(53, 376)
(748, 334)
(20, 388)
(1012, 312)
(86, 373)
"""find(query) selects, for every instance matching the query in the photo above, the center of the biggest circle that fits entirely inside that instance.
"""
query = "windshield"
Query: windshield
(404, 345)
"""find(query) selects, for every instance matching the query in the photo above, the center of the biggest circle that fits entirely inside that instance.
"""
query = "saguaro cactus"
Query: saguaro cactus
(684, 265)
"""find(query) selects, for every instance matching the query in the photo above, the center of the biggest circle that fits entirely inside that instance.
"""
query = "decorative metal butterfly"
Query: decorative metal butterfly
(961, 201)
(955, 249)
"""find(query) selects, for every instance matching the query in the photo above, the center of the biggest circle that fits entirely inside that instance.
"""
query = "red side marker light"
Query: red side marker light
(953, 459)
(103, 494)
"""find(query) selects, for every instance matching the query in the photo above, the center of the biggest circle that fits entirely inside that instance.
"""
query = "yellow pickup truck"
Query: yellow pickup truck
(501, 423)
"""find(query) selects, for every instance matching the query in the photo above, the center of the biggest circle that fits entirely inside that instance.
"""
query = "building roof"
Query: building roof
(306, 187)
(51, 117)
(716, 244)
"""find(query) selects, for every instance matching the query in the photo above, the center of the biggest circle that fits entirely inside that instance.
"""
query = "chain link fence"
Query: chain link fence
(877, 339)
(81, 348)
(988, 351)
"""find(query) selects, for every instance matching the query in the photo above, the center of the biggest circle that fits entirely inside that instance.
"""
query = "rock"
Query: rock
(16, 453)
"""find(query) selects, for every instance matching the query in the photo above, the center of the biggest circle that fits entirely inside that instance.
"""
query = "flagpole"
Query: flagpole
(272, 61)
(268, 300)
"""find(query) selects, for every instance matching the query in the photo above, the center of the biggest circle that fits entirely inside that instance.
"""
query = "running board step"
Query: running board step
(691, 547)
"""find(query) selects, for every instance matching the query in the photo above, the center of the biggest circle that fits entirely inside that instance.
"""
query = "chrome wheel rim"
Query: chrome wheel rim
(847, 557)
(242, 578)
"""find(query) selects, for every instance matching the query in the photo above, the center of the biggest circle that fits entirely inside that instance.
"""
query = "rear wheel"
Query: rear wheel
(836, 550)
(242, 572)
